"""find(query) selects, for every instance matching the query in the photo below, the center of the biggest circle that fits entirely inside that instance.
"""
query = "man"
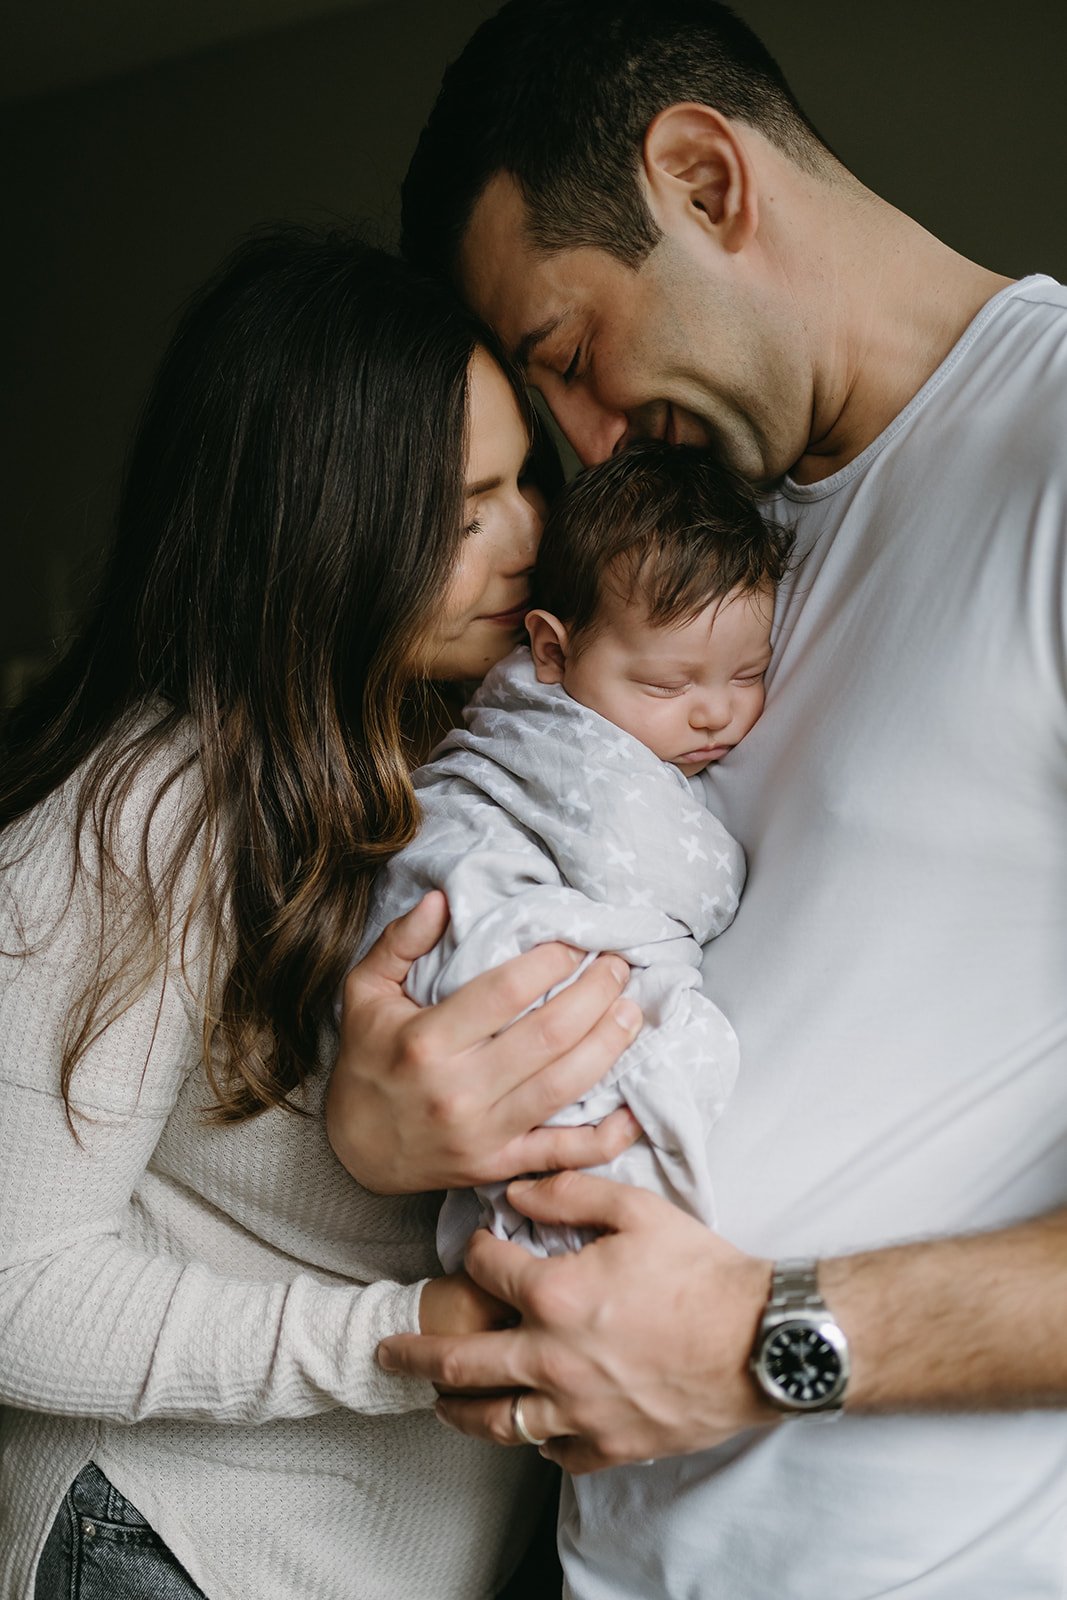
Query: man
(630, 195)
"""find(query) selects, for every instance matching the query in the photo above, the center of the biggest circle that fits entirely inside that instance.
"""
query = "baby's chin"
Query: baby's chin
(690, 769)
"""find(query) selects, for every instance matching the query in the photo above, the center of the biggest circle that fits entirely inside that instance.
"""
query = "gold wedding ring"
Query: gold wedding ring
(522, 1432)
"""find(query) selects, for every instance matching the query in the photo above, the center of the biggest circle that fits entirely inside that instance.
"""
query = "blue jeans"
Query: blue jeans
(101, 1548)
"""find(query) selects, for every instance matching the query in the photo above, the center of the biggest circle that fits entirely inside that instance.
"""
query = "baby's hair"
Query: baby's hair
(667, 521)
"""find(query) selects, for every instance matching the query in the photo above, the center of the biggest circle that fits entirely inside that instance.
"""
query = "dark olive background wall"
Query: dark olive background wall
(119, 197)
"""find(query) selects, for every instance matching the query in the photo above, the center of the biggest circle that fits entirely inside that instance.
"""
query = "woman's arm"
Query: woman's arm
(92, 1325)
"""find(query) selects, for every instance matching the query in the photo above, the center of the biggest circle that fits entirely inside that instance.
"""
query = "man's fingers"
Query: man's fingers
(576, 1456)
(581, 1200)
(502, 1269)
(402, 942)
(493, 1418)
(550, 1149)
(489, 1361)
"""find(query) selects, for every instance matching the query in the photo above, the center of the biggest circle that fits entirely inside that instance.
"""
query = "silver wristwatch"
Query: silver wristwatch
(800, 1358)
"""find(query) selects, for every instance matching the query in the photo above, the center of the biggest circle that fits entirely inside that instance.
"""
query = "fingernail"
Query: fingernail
(619, 970)
(385, 1360)
(628, 1015)
(520, 1185)
(439, 1413)
(577, 956)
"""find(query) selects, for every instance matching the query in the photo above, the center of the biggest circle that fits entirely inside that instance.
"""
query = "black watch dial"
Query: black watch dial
(802, 1364)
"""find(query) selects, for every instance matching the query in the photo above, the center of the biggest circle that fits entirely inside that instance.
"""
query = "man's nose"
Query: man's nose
(593, 431)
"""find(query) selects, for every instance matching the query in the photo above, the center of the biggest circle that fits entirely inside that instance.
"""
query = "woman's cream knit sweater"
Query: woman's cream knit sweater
(196, 1308)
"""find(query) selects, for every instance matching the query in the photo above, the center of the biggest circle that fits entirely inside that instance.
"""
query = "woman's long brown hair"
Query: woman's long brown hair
(292, 510)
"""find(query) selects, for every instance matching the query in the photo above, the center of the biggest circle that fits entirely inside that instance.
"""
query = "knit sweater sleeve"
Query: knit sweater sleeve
(90, 1325)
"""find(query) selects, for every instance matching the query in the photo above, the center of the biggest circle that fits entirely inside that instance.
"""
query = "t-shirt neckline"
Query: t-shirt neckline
(805, 493)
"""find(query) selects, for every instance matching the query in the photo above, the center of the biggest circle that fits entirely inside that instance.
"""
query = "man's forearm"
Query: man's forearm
(639, 1345)
(973, 1323)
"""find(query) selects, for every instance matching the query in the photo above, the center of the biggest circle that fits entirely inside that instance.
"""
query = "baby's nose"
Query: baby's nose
(709, 711)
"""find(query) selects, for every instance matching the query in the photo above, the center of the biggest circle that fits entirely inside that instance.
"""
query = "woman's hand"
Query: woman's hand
(456, 1304)
(438, 1098)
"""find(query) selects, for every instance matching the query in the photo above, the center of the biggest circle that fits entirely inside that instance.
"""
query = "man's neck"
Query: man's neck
(895, 302)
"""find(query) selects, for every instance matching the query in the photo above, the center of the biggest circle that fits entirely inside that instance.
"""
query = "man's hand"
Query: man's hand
(433, 1099)
(635, 1347)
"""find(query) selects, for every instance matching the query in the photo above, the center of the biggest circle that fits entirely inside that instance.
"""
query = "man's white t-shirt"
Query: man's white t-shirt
(897, 976)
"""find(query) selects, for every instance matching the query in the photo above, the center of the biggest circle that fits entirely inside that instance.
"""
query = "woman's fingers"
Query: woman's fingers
(453, 1095)
(402, 942)
(566, 1062)
(550, 1149)
(487, 1004)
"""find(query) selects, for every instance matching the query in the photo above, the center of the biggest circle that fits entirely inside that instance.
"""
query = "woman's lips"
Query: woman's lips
(510, 619)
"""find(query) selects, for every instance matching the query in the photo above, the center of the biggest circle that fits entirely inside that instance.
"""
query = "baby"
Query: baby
(571, 806)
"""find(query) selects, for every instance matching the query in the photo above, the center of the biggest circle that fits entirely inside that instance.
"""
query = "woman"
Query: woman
(194, 804)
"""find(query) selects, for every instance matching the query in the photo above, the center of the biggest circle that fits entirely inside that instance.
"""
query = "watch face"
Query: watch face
(802, 1364)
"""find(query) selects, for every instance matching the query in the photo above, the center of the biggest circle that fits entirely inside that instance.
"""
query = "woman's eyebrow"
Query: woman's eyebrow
(483, 486)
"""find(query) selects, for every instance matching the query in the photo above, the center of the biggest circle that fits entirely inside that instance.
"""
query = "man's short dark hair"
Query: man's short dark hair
(559, 93)
(665, 522)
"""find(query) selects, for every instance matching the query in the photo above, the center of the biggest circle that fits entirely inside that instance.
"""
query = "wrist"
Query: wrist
(800, 1358)
(752, 1288)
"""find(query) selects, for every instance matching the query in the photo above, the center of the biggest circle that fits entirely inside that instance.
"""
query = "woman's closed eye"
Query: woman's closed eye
(570, 372)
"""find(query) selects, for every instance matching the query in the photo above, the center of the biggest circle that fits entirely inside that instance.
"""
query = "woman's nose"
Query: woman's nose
(533, 523)
(527, 522)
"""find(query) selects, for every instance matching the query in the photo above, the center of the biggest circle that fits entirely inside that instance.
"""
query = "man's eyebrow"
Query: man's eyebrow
(529, 341)
(483, 486)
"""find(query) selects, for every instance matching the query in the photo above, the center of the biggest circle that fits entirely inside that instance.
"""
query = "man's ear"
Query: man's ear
(698, 170)
(548, 645)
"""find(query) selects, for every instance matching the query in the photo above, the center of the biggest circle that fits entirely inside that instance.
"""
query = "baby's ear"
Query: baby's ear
(548, 645)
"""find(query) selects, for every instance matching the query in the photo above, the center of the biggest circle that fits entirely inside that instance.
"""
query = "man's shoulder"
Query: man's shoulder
(998, 405)
(1041, 289)
(1033, 312)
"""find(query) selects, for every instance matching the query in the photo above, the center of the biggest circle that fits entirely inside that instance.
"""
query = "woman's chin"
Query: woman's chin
(464, 663)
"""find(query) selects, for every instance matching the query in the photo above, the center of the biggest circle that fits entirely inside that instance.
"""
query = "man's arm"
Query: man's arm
(638, 1347)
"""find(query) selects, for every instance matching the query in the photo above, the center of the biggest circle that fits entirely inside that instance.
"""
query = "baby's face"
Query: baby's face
(689, 692)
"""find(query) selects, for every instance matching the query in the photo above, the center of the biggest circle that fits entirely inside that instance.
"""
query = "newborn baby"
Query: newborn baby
(570, 806)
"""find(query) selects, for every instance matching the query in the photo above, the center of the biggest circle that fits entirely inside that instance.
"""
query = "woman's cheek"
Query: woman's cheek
(461, 597)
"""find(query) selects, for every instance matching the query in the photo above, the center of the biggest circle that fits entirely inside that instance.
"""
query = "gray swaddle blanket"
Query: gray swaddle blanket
(543, 821)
